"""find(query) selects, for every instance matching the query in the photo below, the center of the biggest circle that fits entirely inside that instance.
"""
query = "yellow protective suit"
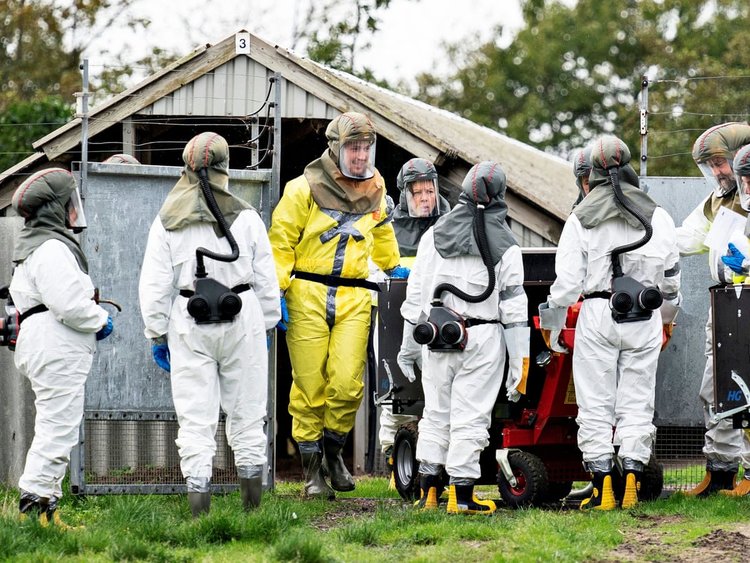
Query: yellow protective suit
(328, 325)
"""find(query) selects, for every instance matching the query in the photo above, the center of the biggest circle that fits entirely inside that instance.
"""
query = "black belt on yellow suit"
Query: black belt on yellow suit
(335, 281)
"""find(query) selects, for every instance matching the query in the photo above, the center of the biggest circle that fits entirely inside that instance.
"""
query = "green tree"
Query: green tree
(574, 72)
(336, 31)
(42, 43)
(23, 122)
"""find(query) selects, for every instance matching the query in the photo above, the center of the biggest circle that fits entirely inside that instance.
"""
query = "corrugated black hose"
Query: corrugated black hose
(481, 237)
(200, 252)
(635, 212)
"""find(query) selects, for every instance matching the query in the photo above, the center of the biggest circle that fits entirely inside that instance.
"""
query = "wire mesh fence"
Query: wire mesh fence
(126, 454)
(679, 449)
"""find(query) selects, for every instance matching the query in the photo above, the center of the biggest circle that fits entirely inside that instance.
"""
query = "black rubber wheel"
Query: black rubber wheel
(531, 477)
(557, 490)
(405, 464)
(652, 482)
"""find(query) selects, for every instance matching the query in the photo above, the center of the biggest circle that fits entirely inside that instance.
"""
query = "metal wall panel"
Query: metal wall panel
(681, 365)
(17, 400)
(238, 87)
(121, 202)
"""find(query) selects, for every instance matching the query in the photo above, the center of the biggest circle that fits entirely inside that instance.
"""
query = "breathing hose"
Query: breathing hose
(635, 212)
(480, 235)
(200, 252)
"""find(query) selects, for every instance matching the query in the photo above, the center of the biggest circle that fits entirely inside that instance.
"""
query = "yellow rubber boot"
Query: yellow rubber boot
(389, 464)
(742, 489)
(603, 496)
(430, 489)
(632, 488)
(53, 518)
(462, 500)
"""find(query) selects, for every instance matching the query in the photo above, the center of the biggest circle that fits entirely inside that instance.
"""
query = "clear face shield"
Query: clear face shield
(717, 171)
(422, 198)
(75, 217)
(743, 185)
(357, 159)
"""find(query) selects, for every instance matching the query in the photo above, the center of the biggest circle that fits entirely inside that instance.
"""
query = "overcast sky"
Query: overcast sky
(408, 42)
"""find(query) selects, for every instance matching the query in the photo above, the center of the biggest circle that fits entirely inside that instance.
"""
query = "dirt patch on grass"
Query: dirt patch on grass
(654, 543)
(342, 509)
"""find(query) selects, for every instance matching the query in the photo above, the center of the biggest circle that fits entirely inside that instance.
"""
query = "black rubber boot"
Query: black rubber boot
(251, 491)
(430, 489)
(341, 479)
(32, 506)
(603, 496)
(713, 481)
(315, 484)
(200, 503)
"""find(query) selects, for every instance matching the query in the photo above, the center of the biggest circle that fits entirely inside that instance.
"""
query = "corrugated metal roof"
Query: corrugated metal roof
(215, 80)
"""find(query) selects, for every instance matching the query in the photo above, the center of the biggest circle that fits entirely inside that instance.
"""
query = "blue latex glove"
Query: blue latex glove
(161, 356)
(399, 273)
(281, 325)
(106, 330)
(735, 261)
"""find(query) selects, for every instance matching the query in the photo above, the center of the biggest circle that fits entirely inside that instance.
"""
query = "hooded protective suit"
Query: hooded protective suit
(725, 448)
(55, 346)
(327, 224)
(220, 364)
(460, 388)
(614, 364)
(409, 230)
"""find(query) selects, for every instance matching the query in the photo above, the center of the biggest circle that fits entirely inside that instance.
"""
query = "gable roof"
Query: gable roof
(541, 182)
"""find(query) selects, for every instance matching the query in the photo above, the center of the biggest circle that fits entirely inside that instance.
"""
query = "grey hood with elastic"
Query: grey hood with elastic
(454, 233)
(41, 201)
(610, 154)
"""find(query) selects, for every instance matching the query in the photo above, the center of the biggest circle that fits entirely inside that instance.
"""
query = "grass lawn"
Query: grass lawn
(373, 524)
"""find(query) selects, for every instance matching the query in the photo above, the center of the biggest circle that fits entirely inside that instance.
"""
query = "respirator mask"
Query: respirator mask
(9, 322)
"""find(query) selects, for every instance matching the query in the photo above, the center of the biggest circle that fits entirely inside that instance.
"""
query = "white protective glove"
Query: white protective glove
(517, 344)
(552, 319)
(670, 308)
(410, 353)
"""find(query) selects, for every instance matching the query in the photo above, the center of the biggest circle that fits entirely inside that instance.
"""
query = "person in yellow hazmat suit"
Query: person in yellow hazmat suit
(327, 224)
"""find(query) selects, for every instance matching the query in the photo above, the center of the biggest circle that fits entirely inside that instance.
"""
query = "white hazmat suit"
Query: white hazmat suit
(55, 350)
(461, 388)
(455, 257)
(213, 364)
(217, 364)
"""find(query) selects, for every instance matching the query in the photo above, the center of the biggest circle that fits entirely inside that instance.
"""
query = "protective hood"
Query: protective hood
(41, 201)
(454, 234)
(330, 189)
(122, 159)
(581, 170)
(409, 229)
(721, 141)
(185, 203)
(610, 153)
